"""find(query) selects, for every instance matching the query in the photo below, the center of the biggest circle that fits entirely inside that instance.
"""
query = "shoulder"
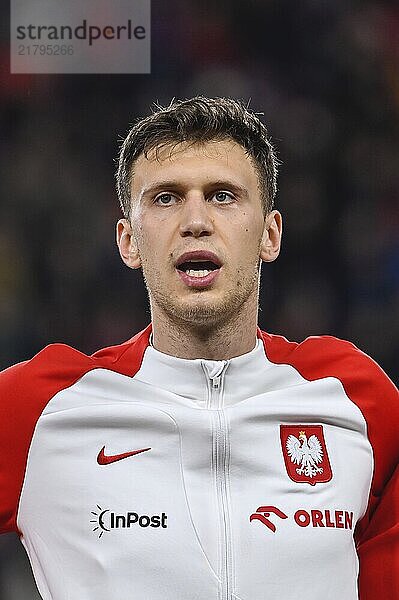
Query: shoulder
(60, 365)
(25, 390)
(327, 356)
(364, 383)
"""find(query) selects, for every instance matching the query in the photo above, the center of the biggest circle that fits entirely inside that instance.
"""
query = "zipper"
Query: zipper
(220, 462)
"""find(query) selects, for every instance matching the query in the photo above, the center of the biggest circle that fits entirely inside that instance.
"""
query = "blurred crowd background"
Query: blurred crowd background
(325, 73)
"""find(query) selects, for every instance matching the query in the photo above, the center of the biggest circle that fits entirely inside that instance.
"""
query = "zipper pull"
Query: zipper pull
(216, 382)
(214, 370)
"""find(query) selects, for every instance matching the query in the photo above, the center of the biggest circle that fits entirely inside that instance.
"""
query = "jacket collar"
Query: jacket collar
(192, 379)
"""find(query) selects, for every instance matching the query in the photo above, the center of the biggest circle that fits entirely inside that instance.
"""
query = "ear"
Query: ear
(127, 244)
(271, 240)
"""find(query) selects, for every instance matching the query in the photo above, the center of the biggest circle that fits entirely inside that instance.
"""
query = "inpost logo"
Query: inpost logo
(106, 520)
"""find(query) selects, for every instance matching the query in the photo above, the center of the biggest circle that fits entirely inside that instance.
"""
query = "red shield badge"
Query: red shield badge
(305, 453)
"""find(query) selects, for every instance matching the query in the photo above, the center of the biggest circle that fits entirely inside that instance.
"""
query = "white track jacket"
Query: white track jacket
(134, 475)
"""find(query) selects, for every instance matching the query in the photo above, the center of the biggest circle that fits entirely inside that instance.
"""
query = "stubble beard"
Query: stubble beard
(200, 314)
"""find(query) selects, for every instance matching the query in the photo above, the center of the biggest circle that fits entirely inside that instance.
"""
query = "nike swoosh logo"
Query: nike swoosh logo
(102, 459)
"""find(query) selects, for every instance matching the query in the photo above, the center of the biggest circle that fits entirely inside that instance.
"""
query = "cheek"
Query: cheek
(252, 223)
(153, 253)
(249, 238)
(245, 254)
(145, 239)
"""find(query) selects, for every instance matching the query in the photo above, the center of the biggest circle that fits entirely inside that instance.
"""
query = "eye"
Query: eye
(223, 197)
(165, 199)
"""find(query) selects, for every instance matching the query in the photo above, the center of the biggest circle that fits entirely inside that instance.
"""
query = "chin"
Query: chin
(203, 309)
(203, 314)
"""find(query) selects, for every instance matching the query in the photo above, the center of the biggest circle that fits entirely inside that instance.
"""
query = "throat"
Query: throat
(218, 342)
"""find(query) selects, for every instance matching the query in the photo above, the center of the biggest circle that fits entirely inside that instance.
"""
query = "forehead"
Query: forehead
(188, 162)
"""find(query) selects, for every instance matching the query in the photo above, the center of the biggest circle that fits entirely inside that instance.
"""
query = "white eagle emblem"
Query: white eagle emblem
(308, 455)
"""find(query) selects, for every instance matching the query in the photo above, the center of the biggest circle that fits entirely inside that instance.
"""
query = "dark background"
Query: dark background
(325, 74)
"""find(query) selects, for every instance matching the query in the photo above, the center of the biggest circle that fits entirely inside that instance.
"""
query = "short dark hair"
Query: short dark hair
(199, 120)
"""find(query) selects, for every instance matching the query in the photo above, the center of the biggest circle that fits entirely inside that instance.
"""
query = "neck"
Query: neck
(219, 341)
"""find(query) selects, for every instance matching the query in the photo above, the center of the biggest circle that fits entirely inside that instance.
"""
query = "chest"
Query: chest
(231, 490)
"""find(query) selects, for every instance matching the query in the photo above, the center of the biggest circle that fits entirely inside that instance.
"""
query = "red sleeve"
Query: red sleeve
(379, 547)
(25, 389)
(365, 383)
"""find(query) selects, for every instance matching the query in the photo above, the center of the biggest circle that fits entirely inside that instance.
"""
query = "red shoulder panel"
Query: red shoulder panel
(25, 390)
(366, 384)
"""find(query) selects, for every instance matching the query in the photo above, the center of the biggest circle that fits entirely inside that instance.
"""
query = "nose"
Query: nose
(195, 217)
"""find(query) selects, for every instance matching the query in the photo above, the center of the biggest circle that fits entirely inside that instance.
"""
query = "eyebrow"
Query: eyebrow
(158, 186)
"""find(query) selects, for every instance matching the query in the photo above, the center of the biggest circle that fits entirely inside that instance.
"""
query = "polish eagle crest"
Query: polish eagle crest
(307, 453)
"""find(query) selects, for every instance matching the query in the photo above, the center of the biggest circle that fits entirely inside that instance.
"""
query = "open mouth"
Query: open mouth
(198, 268)
(195, 268)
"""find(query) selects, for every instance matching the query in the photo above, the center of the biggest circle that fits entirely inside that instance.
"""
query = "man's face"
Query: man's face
(198, 230)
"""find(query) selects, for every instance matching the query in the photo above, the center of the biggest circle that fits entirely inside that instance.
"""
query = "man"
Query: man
(203, 458)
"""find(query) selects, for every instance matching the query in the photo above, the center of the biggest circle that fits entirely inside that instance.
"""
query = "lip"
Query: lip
(198, 255)
(198, 282)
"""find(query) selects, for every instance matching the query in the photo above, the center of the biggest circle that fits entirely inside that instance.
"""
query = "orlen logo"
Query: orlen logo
(335, 519)
(263, 513)
(107, 520)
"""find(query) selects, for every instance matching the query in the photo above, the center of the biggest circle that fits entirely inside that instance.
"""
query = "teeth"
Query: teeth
(193, 273)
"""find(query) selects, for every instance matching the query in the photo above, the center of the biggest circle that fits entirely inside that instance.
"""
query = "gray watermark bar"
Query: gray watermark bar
(82, 36)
